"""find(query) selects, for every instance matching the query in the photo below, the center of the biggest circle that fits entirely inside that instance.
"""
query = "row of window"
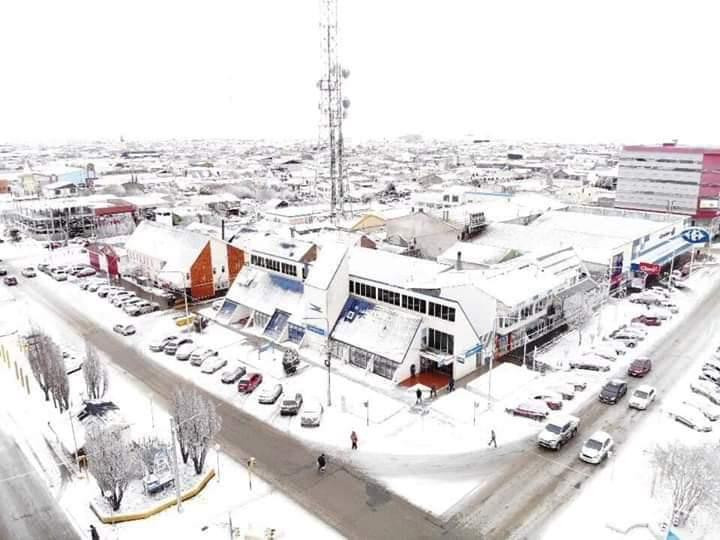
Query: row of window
(659, 160)
(442, 312)
(524, 313)
(407, 302)
(271, 264)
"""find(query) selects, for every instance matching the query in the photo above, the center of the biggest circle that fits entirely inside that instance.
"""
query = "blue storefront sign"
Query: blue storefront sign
(316, 330)
(474, 350)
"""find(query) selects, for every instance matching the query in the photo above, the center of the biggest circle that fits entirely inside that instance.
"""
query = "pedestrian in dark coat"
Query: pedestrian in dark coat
(93, 533)
(433, 391)
(451, 385)
(353, 440)
(418, 395)
(492, 442)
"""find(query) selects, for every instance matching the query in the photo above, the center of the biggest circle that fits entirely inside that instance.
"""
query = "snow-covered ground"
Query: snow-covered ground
(455, 423)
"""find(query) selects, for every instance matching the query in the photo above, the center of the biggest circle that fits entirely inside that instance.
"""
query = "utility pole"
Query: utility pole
(327, 364)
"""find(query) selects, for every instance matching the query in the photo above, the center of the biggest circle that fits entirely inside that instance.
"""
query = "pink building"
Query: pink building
(670, 178)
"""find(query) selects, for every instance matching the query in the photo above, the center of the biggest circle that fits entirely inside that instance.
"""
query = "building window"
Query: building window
(440, 341)
(295, 333)
(413, 304)
(352, 287)
(359, 358)
(384, 368)
(367, 291)
(442, 312)
(455, 198)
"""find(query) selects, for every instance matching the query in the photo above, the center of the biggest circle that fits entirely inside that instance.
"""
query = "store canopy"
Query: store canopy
(664, 253)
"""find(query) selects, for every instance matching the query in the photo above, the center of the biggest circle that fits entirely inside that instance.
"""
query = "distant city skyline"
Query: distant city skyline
(622, 72)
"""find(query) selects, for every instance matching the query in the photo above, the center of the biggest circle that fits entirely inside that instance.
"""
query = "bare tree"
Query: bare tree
(148, 448)
(692, 473)
(197, 424)
(60, 385)
(43, 354)
(113, 463)
(95, 373)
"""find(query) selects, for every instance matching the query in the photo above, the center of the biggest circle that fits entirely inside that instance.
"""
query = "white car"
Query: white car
(28, 272)
(158, 343)
(270, 393)
(59, 275)
(658, 313)
(211, 365)
(597, 448)
(86, 272)
(711, 412)
(565, 389)
(558, 431)
(184, 351)
(124, 329)
(642, 397)
(628, 339)
(591, 362)
(311, 413)
(690, 417)
(706, 389)
(605, 351)
(116, 298)
(201, 354)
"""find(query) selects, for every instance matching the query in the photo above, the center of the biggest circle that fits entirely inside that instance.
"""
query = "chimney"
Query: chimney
(458, 263)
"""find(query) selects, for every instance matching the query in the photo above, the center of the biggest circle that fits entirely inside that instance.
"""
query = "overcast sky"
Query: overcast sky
(578, 70)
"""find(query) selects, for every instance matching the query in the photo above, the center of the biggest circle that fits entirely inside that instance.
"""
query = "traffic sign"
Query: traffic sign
(695, 235)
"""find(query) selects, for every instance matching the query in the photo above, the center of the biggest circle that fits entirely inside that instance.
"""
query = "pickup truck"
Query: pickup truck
(558, 431)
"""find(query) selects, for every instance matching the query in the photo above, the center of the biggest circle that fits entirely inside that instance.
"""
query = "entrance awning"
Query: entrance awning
(664, 253)
(441, 359)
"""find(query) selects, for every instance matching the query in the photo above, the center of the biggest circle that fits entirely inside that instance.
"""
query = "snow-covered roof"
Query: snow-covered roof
(376, 328)
(286, 248)
(392, 269)
(178, 248)
(520, 284)
(326, 265)
(476, 254)
(266, 292)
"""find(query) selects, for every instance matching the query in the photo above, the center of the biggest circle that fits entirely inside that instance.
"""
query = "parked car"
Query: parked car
(28, 272)
(551, 399)
(185, 350)
(597, 448)
(270, 394)
(118, 298)
(690, 417)
(711, 412)
(249, 382)
(629, 330)
(639, 367)
(158, 344)
(534, 409)
(671, 307)
(659, 313)
(3, 271)
(86, 272)
(72, 363)
(292, 405)
(706, 374)
(124, 329)
(647, 320)
(213, 364)
(613, 391)
(590, 363)
(642, 397)
(558, 431)
(43, 267)
(59, 275)
(104, 291)
(172, 347)
(645, 298)
(662, 292)
(232, 375)
(93, 287)
(576, 381)
(566, 390)
(145, 307)
(606, 351)
(628, 339)
(132, 308)
(10, 280)
(311, 413)
(706, 389)
(199, 355)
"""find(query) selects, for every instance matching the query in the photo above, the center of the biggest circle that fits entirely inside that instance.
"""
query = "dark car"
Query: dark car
(232, 375)
(292, 405)
(249, 383)
(10, 280)
(640, 367)
(647, 320)
(3, 271)
(613, 391)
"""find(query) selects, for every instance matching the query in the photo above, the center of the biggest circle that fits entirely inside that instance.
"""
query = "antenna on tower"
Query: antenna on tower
(333, 106)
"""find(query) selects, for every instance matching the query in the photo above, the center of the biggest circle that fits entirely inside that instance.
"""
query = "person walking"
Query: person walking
(353, 440)
(93, 533)
(493, 441)
(418, 396)
(433, 391)
(451, 385)
(321, 462)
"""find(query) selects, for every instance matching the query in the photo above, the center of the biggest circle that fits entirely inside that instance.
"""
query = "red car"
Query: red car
(533, 408)
(647, 320)
(640, 367)
(551, 399)
(249, 383)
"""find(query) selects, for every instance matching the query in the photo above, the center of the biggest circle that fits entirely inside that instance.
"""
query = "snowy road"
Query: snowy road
(525, 491)
(343, 497)
(28, 510)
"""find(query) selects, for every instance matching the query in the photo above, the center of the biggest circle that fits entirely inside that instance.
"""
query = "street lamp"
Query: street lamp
(187, 311)
(173, 433)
